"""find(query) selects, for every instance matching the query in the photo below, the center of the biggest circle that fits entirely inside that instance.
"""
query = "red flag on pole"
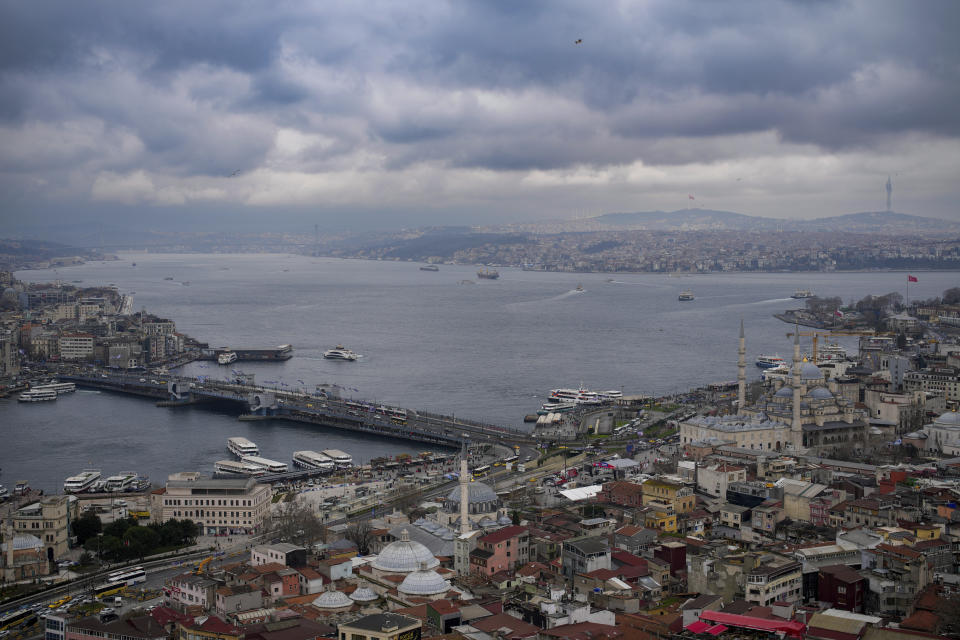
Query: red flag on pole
(912, 279)
(690, 197)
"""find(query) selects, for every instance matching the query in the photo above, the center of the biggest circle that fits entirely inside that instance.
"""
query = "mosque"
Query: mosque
(942, 435)
(799, 416)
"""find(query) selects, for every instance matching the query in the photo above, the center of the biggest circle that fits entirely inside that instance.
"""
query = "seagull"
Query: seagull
(578, 41)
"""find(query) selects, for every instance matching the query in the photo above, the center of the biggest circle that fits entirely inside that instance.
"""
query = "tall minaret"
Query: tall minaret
(464, 492)
(795, 426)
(742, 371)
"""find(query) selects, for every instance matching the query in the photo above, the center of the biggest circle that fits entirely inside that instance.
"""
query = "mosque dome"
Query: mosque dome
(363, 593)
(480, 499)
(476, 492)
(810, 371)
(333, 600)
(949, 419)
(424, 583)
(784, 392)
(820, 393)
(487, 522)
(505, 520)
(404, 555)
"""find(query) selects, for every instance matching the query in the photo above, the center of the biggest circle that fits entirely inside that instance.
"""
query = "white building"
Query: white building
(76, 346)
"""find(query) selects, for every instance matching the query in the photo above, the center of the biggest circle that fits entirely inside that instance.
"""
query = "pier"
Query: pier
(261, 403)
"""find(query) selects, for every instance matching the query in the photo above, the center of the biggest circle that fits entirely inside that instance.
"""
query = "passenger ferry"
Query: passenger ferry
(339, 457)
(312, 460)
(769, 362)
(123, 481)
(779, 372)
(82, 482)
(59, 387)
(242, 447)
(228, 357)
(800, 294)
(271, 466)
(37, 395)
(556, 407)
(685, 296)
(429, 267)
(340, 352)
(238, 468)
(577, 396)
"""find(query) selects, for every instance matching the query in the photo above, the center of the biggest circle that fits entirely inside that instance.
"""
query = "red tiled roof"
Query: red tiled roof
(791, 629)
(921, 621)
(517, 628)
(900, 551)
(503, 534)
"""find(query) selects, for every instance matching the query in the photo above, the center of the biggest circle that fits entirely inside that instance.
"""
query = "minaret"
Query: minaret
(742, 371)
(464, 492)
(795, 427)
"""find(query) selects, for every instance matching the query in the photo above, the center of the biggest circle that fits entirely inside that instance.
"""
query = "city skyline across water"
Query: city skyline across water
(489, 351)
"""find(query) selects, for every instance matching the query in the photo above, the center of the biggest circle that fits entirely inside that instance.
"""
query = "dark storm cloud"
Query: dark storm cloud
(200, 89)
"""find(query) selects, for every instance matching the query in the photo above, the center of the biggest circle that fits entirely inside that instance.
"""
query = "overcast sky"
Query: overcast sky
(404, 113)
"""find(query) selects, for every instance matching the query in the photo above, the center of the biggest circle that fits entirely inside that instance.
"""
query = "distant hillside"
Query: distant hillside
(882, 222)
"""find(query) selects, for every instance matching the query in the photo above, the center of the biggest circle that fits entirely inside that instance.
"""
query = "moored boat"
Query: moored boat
(238, 468)
(340, 458)
(82, 481)
(312, 460)
(271, 466)
(37, 395)
(768, 362)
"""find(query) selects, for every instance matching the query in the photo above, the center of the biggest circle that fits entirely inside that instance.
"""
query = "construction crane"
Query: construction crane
(816, 335)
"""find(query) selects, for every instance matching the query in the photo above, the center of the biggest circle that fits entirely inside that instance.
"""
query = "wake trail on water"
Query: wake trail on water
(529, 303)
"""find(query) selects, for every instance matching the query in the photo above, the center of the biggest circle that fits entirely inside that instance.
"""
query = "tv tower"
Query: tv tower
(889, 193)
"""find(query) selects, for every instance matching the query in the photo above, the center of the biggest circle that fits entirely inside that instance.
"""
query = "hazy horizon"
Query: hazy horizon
(380, 116)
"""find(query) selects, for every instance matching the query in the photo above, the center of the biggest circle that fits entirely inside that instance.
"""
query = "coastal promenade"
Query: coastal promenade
(256, 402)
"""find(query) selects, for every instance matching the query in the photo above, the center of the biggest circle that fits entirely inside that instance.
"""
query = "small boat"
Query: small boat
(133, 264)
(340, 352)
(37, 395)
(185, 283)
(579, 288)
(488, 274)
(769, 362)
(778, 372)
(800, 294)
(685, 296)
(429, 267)
(227, 357)
(168, 278)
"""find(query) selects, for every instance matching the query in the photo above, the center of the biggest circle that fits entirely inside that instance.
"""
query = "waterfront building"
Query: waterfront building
(49, 520)
(804, 414)
(219, 506)
(76, 346)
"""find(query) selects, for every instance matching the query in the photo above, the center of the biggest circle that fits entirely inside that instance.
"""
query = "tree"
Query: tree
(87, 526)
(295, 523)
(140, 541)
(360, 533)
(951, 296)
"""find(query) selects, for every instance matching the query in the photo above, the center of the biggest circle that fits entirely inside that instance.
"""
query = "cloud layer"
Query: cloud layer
(478, 111)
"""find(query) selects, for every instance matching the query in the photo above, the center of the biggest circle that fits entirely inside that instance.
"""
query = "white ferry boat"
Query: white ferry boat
(340, 352)
(577, 396)
(271, 466)
(832, 352)
(685, 296)
(58, 387)
(341, 458)
(242, 447)
(37, 395)
(779, 372)
(81, 482)
(123, 481)
(800, 294)
(312, 460)
(556, 407)
(4, 493)
(238, 468)
(227, 357)
(769, 362)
